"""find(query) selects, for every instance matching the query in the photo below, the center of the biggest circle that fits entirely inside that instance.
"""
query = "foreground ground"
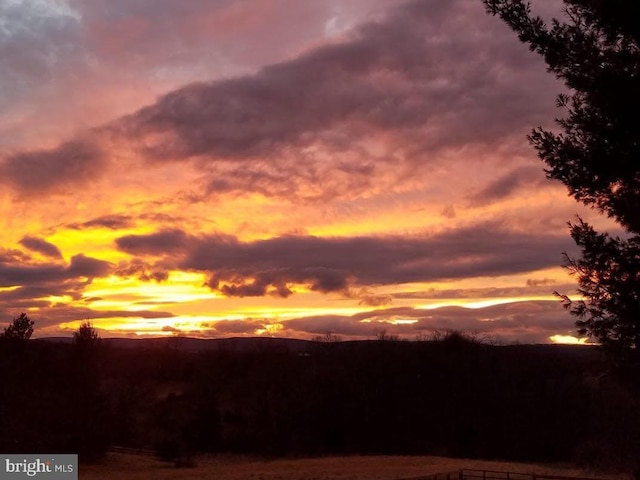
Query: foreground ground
(130, 467)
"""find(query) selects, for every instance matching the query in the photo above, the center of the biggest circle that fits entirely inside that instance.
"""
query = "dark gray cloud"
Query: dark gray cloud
(335, 264)
(8, 256)
(237, 327)
(141, 270)
(40, 280)
(120, 221)
(112, 222)
(83, 266)
(35, 283)
(64, 168)
(160, 243)
(512, 182)
(26, 297)
(14, 274)
(41, 246)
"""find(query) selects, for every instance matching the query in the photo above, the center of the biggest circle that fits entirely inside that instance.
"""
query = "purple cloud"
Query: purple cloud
(163, 242)
(64, 168)
(300, 129)
(12, 274)
(41, 246)
(510, 183)
(334, 264)
(406, 76)
(112, 222)
(141, 270)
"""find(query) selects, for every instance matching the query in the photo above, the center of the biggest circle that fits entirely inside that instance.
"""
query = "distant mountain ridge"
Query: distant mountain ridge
(294, 345)
(190, 344)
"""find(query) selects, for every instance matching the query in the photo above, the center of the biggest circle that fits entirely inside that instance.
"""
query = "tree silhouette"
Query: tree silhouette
(91, 424)
(596, 52)
(86, 334)
(21, 328)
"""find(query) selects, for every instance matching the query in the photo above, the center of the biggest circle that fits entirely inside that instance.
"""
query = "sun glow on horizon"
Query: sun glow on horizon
(569, 340)
(476, 304)
(184, 294)
(134, 294)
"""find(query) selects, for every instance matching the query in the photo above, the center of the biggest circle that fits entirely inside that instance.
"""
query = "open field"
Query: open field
(130, 467)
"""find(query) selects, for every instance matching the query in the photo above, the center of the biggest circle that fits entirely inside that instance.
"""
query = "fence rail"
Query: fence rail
(134, 451)
(453, 475)
(471, 474)
(464, 474)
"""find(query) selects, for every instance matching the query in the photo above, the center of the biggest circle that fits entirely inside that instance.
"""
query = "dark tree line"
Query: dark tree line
(50, 398)
(451, 397)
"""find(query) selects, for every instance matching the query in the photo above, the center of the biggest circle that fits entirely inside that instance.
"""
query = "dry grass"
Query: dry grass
(129, 467)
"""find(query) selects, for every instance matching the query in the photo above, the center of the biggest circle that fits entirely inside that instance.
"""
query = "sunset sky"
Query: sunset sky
(289, 168)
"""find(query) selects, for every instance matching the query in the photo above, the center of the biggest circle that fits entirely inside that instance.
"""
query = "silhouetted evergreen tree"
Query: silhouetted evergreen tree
(596, 153)
(21, 328)
(86, 335)
(91, 423)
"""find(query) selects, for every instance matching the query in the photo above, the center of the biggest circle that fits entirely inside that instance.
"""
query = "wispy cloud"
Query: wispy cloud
(112, 222)
(513, 182)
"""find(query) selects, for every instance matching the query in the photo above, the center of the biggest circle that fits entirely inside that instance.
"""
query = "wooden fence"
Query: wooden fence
(470, 474)
(464, 474)
(133, 451)
(453, 475)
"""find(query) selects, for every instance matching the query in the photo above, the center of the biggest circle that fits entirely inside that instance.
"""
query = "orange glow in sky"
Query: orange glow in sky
(311, 170)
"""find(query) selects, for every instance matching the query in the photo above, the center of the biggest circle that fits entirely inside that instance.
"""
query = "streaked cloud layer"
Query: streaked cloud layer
(276, 167)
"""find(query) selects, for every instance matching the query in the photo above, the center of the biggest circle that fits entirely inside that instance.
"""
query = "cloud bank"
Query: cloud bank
(272, 266)
(345, 118)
